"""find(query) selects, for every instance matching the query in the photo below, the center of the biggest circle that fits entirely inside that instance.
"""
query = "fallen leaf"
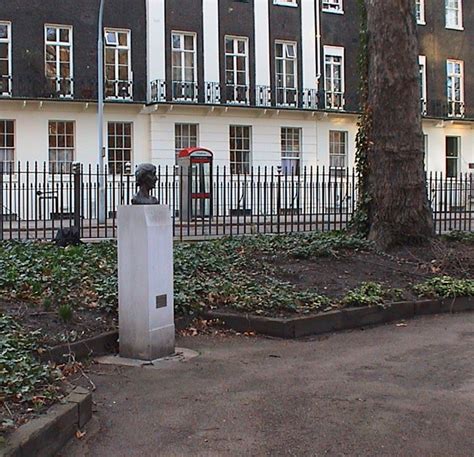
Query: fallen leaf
(80, 435)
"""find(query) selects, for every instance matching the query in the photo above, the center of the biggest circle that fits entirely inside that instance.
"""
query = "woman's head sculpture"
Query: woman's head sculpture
(145, 177)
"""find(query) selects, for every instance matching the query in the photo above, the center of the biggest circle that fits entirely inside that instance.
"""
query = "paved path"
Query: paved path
(386, 391)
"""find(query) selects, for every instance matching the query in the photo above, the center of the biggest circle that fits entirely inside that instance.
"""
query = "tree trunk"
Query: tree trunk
(398, 209)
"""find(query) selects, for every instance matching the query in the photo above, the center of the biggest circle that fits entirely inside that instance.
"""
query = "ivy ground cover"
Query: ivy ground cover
(50, 295)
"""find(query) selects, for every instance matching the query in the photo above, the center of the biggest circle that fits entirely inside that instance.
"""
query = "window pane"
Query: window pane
(123, 38)
(3, 31)
(111, 38)
(51, 34)
(176, 41)
(64, 35)
(229, 45)
(189, 42)
(3, 50)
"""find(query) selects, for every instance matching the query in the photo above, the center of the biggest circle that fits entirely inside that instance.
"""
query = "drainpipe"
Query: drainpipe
(100, 113)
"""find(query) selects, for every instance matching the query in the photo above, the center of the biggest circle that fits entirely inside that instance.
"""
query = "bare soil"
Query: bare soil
(399, 269)
(330, 276)
(85, 323)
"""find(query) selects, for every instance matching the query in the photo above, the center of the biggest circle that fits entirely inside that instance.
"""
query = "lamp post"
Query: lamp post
(100, 113)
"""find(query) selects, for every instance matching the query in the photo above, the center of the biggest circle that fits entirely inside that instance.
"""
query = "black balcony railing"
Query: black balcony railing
(335, 100)
(5, 85)
(212, 93)
(286, 97)
(423, 107)
(118, 89)
(61, 87)
(36, 86)
(236, 94)
(455, 109)
(184, 91)
(158, 91)
(263, 96)
(444, 109)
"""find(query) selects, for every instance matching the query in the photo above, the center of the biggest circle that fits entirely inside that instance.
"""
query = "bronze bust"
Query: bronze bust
(145, 177)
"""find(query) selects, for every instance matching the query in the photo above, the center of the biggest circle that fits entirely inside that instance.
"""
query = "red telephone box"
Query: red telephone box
(195, 171)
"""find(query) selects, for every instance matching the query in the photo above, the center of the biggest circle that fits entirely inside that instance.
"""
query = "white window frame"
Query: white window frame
(455, 104)
(235, 55)
(181, 126)
(423, 88)
(457, 158)
(58, 79)
(240, 167)
(117, 83)
(112, 164)
(183, 89)
(459, 14)
(8, 41)
(333, 6)
(61, 166)
(287, 99)
(420, 12)
(287, 137)
(331, 97)
(344, 155)
(292, 3)
(7, 166)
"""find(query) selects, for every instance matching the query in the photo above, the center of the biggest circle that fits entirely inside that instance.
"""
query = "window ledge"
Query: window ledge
(421, 22)
(119, 99)
(334, 11)
(452, 27)
(291, 5)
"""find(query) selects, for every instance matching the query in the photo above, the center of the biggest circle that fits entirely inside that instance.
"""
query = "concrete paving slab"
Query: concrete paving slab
(180, 355)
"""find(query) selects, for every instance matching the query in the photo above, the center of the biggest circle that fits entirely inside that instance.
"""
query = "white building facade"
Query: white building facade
(260, 83)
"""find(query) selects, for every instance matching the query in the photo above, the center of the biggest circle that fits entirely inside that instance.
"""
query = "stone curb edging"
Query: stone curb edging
(344, 319)
(294, 327)
(46, 435)
(102, 344)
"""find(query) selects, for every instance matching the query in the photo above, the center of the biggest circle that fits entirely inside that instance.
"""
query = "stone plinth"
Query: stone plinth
(145, 264)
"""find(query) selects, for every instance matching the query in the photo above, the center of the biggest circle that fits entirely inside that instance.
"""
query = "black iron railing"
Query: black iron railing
(213, 93)
(5, 85)
(35, 203)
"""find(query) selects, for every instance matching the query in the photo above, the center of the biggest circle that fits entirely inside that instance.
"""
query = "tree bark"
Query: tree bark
(398, 209)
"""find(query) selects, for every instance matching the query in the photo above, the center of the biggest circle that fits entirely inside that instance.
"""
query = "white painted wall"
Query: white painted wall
(31, 128)
(210, 16)
(214, 134)
(437, 132)
(266, 148)
(156, 41)
(153, 134)
(262, 44)
(308, 26)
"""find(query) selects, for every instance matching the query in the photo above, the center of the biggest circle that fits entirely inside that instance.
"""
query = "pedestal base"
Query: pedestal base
(156, 344)
(145, 263)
